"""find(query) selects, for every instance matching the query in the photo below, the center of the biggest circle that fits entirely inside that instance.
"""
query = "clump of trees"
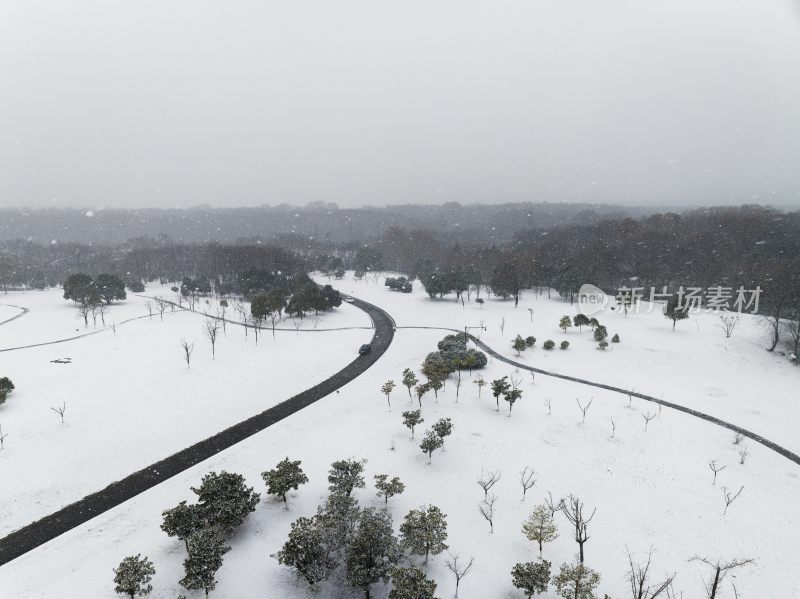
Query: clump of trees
(401, 284)
(92, 295)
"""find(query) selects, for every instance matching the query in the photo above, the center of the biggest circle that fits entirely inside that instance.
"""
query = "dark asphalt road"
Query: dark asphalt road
(37, 533)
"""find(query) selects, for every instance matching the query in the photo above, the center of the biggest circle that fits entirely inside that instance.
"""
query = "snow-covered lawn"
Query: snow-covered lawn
(130, 398)
(650, 488)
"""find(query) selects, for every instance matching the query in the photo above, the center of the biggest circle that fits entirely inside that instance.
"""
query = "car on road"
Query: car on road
(364, 349)
(349, 300)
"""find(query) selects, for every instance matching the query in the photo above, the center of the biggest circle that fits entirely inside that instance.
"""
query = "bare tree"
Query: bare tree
(274, 317)
(502, 325)
(242, 311)
(211, 331)
(549, 407)
(85, 307)
(552, 505)
(638, 577)
(573, 510)
(526, 480)
(715, 469)
(730, 497)
(161, 305)
(583, 408)
(647, 418)
(2, 436)
(188, 348)
(613, 428)
(720, 571)
(488, 480)
(487, 510)
(737, 438)
(102, 310)
(630, 398)
(60, 410)
(792, 326)
(728, 323)
(149, 305)
(114, 328)
(743, 453)
(459, 570)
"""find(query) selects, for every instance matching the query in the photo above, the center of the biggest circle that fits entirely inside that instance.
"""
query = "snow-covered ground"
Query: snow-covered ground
(650, 488)
(130, 398)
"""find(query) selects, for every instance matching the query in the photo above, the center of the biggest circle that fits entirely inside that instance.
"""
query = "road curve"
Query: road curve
(37, 533)
(23, 312)
(707, 417)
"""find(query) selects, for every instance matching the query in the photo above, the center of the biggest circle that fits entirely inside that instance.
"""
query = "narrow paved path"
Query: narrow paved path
(713, 419)
(20, 315)
(33, 535)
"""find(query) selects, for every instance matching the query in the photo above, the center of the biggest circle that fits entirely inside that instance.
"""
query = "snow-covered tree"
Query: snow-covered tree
(133, 575)
(565, 323)
(424, 531)
(540, 526)
(512, 394)
(226, 500)
(411, 583)
(675, 313)
(411, 419)
(307, 551)
(580, 321)
(183, 520)
(421, 390)
(206, 549)
(430, 443)
(372, 552)
(443, 427)
(409, 380)
(531, 577)
(346, 475)
(499, 387)
(481, 383)
(600, 333)
(519, 344)
(6, 387)
(337, 518)
(387, 389)
(576, 582)
(287, 475)
(388, 488)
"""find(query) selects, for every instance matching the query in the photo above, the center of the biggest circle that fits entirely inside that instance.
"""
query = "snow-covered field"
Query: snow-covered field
(650, 488)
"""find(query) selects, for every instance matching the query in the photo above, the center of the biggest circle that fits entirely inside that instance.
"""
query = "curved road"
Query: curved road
(23, 312)
(713, 419)
(33, 535)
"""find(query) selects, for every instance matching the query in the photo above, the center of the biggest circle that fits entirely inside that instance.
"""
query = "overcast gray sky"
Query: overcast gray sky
(125, 103)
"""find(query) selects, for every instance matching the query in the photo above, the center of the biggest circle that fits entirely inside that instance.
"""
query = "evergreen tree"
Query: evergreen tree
(182, 521)
(387, 389)
(540, 526)
(206, 549)
(519, 344)
(593, 322)
(78, 287)
(409, 380)
(346, 475)
(132, 576)
(565, 323)
(531, 577)
(411, 583)
(442, 427)
(600, 333)
(307, 551)
(512, 395)
(6, 387)
(372, 552)
(424, 531)
(421, 390)
(226, 500)
(285, 476)
(337, 519)
(580, 321)
(500, 387)
(412, 419)
(530, 341)
(615, 338)
(110, 287)
(431, 443)
(576, 582)
(675, 313)
(388, 488)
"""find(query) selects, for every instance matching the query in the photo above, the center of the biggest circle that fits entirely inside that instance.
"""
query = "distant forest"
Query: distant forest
(451, 247)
